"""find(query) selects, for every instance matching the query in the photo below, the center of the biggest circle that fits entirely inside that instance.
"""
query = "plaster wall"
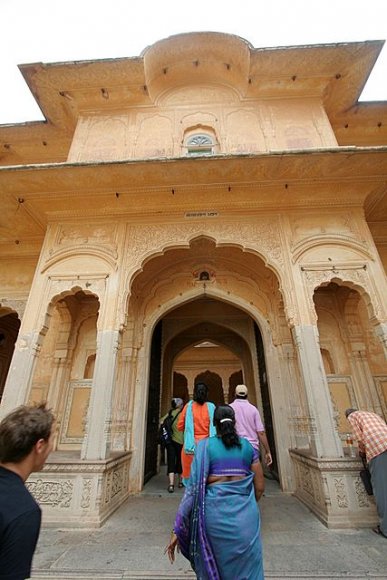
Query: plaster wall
(15, 282)
(236, 126)
(269, 267)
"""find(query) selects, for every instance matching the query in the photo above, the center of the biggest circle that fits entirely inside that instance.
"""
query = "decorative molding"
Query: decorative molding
(86, 494)
(341, 496)
(332, 489)
(262, 236)
(52, 493)
(71, 388)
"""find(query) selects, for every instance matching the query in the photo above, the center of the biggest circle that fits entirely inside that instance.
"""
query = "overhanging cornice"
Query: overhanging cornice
(349, 163)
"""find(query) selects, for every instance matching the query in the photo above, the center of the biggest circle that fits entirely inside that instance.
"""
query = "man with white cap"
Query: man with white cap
(248, 422)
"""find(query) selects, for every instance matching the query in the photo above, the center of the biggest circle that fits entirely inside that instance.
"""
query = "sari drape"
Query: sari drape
(218, 526)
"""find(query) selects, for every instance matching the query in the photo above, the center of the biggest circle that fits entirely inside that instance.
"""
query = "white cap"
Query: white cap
(241, 390)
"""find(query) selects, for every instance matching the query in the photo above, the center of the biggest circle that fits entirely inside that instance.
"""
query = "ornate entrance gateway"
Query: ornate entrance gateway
(198, 211)
(211, 341)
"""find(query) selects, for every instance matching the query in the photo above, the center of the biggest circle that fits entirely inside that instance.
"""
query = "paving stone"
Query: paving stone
(131, 543)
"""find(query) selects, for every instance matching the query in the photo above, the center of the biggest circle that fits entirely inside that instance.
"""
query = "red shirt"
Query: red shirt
(371, 430)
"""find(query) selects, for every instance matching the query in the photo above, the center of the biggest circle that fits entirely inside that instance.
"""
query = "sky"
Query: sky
(70, 30)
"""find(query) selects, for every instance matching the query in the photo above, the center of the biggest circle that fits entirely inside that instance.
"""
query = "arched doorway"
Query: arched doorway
(221, 310)
(9, 330)
(180, 356)
(70, 336)
(352, 355)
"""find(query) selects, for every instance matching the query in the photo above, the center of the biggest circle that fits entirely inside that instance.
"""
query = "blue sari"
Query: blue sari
(218, 526)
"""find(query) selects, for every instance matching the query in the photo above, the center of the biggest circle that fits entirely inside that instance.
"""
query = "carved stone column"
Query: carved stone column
(57, 390)
(366, 390)
(298, 419)
(20, 372)
(225, 385)
(190, 381)
(324, 438)
(123, 401)
(381, 332)
(96, 444)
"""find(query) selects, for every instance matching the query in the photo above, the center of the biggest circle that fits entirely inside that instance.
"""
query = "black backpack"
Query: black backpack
(165, 429)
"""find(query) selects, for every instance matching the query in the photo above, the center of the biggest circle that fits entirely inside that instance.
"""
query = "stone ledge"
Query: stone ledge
(332, 489)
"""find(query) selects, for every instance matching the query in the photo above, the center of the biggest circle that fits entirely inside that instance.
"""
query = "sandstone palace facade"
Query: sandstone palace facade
(206, 210)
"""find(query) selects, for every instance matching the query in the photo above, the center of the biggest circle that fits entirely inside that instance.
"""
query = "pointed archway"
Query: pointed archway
(174, 354)
(239, 291)
(9, 330)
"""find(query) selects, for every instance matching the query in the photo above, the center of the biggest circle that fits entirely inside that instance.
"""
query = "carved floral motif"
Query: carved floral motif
(362, 497)
(114, 484)
(52, 493)
(262, 236)
(341, 496)
(86, 493)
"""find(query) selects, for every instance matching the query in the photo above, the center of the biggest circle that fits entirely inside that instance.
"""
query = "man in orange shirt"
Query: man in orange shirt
(370, 430)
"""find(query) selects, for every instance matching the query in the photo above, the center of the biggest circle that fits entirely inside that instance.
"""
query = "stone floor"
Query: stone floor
(131, 543)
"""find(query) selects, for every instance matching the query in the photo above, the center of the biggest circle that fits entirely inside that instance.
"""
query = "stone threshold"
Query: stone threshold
(154, 575)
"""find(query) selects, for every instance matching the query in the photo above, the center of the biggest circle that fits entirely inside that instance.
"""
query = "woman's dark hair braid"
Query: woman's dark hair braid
(224, 421)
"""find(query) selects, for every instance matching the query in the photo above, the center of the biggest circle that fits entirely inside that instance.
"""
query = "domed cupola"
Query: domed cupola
(197, 58)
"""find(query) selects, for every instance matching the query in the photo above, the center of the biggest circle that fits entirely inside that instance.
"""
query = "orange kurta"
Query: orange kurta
(201, 420)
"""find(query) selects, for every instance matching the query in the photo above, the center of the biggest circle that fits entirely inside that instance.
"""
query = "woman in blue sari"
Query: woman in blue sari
(217, 526)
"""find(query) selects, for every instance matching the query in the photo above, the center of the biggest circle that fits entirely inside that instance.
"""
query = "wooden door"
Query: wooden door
(267, 415)
(153, 405)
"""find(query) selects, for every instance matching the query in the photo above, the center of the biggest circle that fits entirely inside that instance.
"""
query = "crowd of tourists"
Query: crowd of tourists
(215, 454)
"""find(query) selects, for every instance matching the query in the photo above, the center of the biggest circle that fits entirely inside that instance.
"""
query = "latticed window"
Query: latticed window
(200, 144)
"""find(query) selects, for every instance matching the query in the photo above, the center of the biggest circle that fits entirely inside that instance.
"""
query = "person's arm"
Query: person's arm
(181, 419)
(264, 442)
(170, 549)
(358, 434)
(259, 480)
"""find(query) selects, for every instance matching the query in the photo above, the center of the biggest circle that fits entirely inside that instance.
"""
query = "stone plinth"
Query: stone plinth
(77, 493)
(333, 490)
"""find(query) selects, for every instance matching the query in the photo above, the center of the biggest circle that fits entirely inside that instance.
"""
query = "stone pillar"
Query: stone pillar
(132, 361)
(364, 380)
(224, 375)
(96, 444)
(381, 333)
(57, 390)
(298, 424)
(190, 381)
(325, 441)
(123, 401)
(20, 372)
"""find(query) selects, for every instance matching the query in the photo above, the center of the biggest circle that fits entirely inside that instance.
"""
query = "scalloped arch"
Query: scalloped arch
(70, 292)
(186, 244)
(357, 287)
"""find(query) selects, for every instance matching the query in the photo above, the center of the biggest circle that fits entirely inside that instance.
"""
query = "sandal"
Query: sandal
(378, 531)
(171, 488)
(181, 484)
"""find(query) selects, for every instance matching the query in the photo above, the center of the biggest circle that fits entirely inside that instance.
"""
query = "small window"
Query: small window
(200, 145)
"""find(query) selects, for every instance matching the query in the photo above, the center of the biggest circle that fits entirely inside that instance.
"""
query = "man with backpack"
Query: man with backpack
(172, 439)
